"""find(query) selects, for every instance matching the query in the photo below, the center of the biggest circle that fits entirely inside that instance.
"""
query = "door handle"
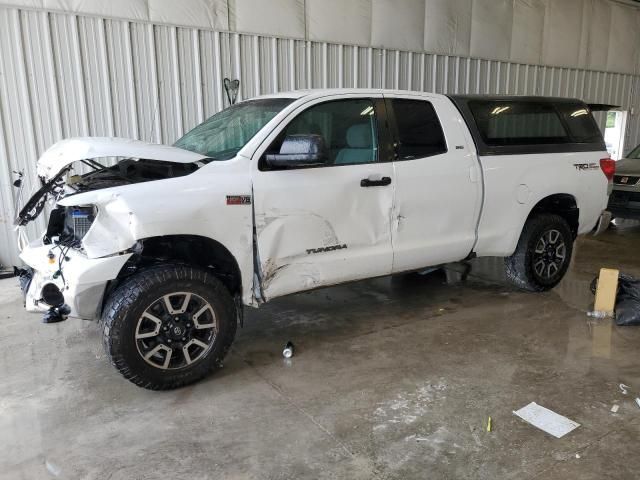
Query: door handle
(383, 182)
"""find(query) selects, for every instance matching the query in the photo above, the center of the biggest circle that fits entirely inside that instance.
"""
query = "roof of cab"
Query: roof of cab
(321, 92)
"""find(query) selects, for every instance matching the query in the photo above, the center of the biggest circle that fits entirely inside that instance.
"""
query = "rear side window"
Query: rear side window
(581, 124)
(419, 131)
(504, 123)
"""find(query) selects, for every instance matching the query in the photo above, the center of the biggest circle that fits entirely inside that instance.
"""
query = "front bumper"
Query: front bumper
(83, 280)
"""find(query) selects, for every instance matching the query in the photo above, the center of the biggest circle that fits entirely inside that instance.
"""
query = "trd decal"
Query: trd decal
(326, 249)
(586, 166)
(238, 199)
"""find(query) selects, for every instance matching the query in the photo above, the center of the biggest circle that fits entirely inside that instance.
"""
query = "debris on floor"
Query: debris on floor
(615, 408)
(288, 350)
(623, 388)
(606, 288)
(489, 427)
(618, 296)
(546, 420)
(638, 401)
(628, 301)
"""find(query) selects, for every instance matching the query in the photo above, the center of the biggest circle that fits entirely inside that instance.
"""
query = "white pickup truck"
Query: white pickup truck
(296, 191)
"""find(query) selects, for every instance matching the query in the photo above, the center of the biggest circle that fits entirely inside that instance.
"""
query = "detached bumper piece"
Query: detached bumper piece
(603, 222)
(56, 314)
(58, 310)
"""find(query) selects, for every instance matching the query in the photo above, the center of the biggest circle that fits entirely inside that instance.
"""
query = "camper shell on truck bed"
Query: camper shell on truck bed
(539, 124)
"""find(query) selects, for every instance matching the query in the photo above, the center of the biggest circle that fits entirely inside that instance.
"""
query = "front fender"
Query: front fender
(195, 205)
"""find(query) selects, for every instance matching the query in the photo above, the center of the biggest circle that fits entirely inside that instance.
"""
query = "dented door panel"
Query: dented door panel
(318, 227)
(327, 225)
(438, 196)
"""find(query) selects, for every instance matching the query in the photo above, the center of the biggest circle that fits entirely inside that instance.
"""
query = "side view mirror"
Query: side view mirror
(299, 151)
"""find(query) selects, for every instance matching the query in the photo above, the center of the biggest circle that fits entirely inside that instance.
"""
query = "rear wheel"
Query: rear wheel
(542, 255)
(168, 326)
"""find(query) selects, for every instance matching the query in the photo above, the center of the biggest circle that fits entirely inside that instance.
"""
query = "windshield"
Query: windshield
(220, 137)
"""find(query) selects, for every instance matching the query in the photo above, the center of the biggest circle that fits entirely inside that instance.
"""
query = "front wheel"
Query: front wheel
(543, 253)
(168, 326)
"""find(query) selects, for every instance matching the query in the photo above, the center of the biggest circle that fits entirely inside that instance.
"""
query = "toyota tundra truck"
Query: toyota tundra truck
(166, 245)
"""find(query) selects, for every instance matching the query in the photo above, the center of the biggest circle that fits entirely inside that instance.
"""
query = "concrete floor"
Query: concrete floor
(392, 378)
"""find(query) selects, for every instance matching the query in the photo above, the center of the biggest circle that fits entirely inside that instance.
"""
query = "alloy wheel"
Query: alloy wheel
(176, 331)
(549, 255)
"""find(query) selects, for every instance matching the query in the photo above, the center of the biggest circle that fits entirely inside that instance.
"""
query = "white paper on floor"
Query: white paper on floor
(546, 420)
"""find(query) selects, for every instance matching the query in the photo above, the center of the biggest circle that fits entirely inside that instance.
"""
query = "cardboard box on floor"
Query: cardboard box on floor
(606, 292)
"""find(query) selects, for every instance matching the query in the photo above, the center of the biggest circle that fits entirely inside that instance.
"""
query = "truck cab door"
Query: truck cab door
(318, 225)
(438, 190)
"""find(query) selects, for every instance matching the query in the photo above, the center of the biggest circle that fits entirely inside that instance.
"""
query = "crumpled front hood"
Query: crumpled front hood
(72, 150)
(628, 166)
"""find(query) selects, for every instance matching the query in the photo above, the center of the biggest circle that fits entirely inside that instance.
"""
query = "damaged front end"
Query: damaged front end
(83, 249)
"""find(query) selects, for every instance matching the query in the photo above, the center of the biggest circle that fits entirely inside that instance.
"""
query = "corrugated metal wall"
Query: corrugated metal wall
(64, 75)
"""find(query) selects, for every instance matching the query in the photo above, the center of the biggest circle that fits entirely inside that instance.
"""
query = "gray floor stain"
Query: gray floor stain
(392, 378)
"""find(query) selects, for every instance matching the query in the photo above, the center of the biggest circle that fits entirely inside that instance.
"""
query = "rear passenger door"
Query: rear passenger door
(438, 184)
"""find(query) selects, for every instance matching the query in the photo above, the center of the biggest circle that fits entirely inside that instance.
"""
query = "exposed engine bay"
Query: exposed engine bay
(126, 171)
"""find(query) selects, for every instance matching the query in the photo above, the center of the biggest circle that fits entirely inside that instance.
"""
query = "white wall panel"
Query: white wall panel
(597, 28)
(563, 32)
(491, 27)
(448, 26)
(395, 25)
(624, 39)
(96, 76)
(196, 13)
(129, 9)
(339, 21)
(63, 75)
(528, 22)
(284, 18)
(146, 86)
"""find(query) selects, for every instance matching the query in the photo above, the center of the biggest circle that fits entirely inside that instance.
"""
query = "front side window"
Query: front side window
(348, 129)
(221, 136)
(419, 131)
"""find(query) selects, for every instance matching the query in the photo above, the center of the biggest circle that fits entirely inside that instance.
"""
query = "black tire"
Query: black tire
(523, 267)
(128, 307)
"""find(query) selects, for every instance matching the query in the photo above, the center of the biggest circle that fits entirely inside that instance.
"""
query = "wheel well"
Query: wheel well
(561, 204)
(193, 250)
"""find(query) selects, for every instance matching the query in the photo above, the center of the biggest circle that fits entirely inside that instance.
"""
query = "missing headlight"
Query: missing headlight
(77, 221)
(81, 218)
(69, 225)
